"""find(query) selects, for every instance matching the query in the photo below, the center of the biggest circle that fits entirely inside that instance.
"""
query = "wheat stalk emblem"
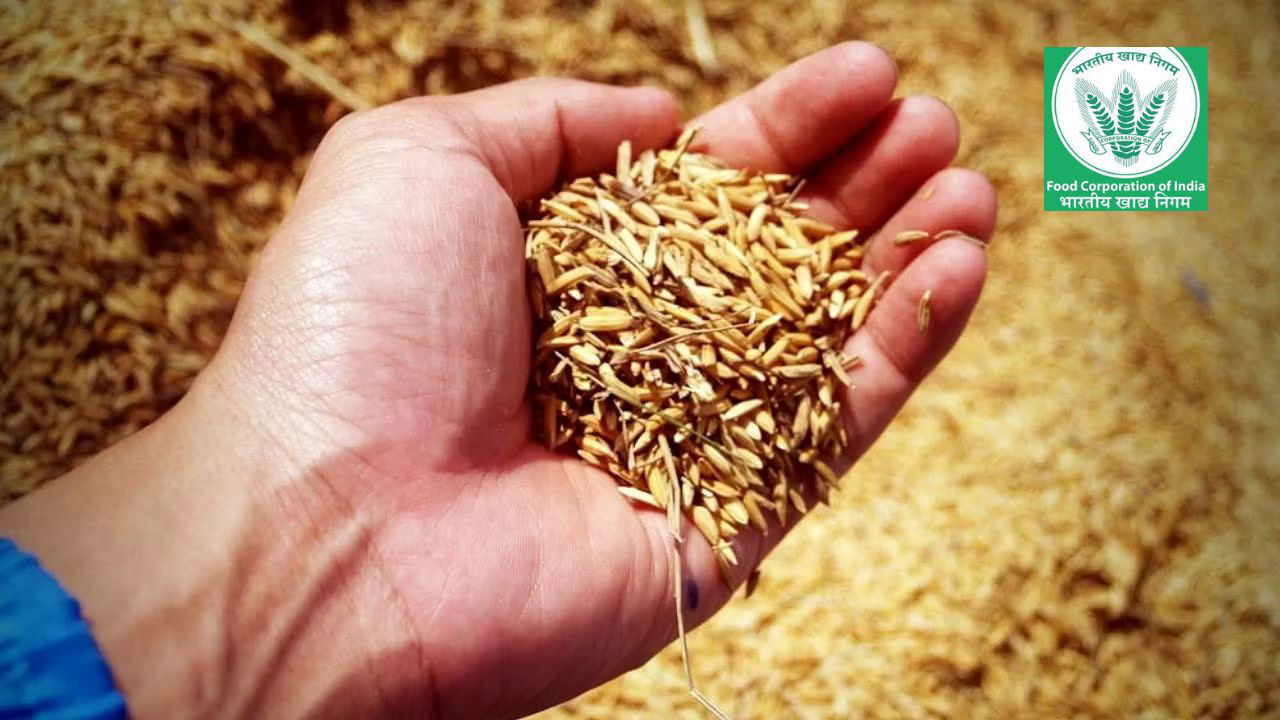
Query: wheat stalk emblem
(1126, 121)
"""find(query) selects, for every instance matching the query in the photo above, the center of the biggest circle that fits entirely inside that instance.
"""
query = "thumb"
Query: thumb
(528, 134)
(534, 132)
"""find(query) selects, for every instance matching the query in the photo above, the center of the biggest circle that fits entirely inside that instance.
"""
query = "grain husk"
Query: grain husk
(697, 345)
(1074, 517)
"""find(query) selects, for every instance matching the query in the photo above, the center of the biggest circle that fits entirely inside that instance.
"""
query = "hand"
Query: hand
(347, 514)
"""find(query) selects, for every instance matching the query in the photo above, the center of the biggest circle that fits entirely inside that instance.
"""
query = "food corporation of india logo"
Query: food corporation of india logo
(1126, 113)
(1118, 110)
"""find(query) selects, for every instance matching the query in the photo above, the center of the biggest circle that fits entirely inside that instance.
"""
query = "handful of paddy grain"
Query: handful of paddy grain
(689, 324)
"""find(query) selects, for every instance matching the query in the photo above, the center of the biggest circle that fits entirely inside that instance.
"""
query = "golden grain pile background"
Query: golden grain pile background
(1078, 516)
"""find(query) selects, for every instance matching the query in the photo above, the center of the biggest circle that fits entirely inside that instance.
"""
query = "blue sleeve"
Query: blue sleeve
(50, 666)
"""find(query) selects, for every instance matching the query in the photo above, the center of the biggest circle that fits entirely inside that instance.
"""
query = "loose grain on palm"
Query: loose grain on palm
(690, 326)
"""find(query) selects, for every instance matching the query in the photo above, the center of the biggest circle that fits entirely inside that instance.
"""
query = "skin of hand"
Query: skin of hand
(347, 516)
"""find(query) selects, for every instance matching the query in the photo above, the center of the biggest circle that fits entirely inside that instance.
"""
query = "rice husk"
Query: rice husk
(687, 316)
(1076, 516)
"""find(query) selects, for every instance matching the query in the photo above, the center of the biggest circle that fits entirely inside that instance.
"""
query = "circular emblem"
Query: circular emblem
(1125, 112)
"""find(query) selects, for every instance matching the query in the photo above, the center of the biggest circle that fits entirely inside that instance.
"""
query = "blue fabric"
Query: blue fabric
(50, 666)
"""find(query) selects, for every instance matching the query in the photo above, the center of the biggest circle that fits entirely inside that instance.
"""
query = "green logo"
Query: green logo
(1125, 128)
(1127, 122)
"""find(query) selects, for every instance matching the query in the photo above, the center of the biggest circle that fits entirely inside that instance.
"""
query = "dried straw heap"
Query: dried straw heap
(1077, 516)
(691, 323)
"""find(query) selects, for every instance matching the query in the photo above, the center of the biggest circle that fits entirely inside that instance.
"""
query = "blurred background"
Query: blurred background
(1078, 516)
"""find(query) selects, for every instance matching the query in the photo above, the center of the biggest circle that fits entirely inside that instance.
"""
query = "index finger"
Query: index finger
(802, 113)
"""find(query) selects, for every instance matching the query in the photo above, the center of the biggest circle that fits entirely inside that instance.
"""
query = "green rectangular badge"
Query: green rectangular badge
(1126, 128)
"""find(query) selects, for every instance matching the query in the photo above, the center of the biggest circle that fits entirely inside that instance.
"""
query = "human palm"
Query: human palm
(381, 351)
(389, 319)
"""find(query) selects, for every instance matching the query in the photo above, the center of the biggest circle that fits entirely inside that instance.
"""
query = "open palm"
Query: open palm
(383, 345)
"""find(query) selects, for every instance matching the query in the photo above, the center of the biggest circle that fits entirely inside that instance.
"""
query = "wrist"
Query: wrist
(216, 579)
